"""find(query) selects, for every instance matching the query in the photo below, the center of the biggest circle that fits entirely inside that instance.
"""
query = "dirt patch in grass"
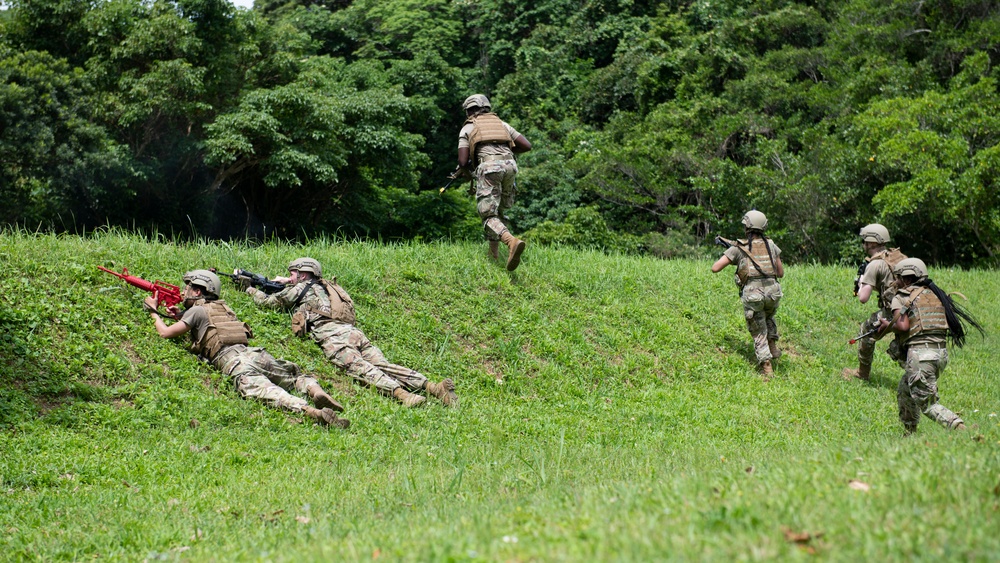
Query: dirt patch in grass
(131, 354)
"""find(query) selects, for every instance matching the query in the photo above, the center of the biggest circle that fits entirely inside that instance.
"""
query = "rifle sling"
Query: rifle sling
(302, 295)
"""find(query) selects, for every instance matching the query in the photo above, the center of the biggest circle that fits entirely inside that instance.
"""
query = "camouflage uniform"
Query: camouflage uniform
(342, 343)
(878, 274)
(926, 353)
(760, 297)
(495, 176)
(254, 372)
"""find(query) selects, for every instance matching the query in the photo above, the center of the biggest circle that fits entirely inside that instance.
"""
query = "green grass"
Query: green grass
(610, 411)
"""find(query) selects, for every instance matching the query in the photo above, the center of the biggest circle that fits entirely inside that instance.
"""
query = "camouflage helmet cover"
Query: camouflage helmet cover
(874, 233)
(204, 279)
(911, 267)
(306, 264)
(476, 101)
(754, 220)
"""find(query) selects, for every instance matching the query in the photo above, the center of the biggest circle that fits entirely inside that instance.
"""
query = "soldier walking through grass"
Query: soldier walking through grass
(758, 268)
(925, 317)
(876, 277)
(220, 338)
(486, 149)
(324, 311)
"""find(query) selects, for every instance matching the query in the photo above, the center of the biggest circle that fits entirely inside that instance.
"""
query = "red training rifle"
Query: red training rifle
(164, 293)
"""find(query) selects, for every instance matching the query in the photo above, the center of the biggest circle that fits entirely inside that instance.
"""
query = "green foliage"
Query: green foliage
(308, 116)
(53, 157)
(933, 157)
(297, 138)
(584, 227)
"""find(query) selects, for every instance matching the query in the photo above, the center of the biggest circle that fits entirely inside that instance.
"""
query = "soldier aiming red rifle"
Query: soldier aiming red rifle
(165, 294)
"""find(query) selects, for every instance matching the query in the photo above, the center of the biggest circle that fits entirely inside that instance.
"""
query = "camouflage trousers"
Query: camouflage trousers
(917, 392)
(760, 302)
(259, 375)
(495, 191)
(866, 346)
(347, 347)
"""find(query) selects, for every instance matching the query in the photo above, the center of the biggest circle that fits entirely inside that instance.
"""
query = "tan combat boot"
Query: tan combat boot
(444, 391)
(408, 399)
(326, 417)
(772, 345)
(515, 247)
(766, 370)
(321, 399)
(494, 250)
(864, 372)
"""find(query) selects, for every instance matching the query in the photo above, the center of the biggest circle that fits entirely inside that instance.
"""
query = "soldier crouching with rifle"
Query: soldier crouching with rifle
(220, 338)
(925, 317)
(324, 311)
(758, 267)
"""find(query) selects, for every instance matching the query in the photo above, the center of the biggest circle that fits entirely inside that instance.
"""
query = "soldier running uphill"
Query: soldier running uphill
(220, 338)
(486, 149)
(925, 317)
(875, 276)
(324, 311)
(758, 268)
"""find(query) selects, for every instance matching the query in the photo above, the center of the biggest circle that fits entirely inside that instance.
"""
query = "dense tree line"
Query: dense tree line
(655, 124)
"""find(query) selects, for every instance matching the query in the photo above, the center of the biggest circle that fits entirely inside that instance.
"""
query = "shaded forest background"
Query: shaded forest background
(655, 124)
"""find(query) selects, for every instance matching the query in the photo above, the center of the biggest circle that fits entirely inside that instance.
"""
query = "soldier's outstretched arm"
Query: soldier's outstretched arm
(282, 301)
(165, 331)
(720, 264)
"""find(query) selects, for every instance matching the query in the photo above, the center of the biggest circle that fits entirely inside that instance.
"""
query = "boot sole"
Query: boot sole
(327, 403)
(515, 256)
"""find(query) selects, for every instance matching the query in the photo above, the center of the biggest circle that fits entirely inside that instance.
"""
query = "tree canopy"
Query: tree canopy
(655, 124)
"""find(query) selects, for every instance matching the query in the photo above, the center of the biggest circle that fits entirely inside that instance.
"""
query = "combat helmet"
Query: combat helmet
(476, 101)
(208, 281)
(911, 267)
(754, 220)
(306, 264)
(874, 233)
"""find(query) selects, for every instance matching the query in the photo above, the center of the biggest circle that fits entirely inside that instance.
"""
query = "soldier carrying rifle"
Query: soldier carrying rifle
(758, 268)
(925, 317)
(486, 149)
(875, 275)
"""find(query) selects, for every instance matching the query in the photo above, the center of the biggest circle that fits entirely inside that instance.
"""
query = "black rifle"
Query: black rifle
(723, 242)
(244, 278)
(877, 331)
(441, 191)
(861, 272)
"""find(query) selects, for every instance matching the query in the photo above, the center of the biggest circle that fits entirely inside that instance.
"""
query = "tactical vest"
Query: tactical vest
(487, 128)
(335, 305)
(891, 257)
(757, 251)
(224, 329)
(926, 311)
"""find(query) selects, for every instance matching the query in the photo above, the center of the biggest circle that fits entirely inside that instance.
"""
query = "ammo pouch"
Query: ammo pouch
(300, 326)
(897, 352)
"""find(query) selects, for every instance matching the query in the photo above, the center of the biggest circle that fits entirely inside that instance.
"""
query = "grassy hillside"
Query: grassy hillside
(609, 410)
